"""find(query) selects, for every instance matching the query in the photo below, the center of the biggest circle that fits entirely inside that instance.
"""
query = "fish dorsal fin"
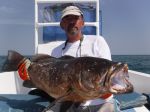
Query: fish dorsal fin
(67, 57)
(38, 57)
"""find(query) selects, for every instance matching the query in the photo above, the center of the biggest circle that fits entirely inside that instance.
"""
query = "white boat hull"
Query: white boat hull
(10, 83)
(140, 81)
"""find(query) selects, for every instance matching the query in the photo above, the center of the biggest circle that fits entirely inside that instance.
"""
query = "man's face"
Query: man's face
(72, 24)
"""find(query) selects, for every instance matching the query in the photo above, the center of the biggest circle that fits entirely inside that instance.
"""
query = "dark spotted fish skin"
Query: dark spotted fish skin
(48, 76)
(57, 76)
(86, 77)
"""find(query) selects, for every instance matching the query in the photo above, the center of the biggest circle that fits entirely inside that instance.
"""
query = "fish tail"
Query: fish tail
(13, 61)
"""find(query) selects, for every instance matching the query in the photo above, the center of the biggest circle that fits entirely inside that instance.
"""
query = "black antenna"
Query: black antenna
(101, 22)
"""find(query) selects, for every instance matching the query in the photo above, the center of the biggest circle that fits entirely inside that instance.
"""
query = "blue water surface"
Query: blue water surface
(139, 63)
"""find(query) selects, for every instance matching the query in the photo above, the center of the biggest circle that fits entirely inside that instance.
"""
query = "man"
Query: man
(79, 45)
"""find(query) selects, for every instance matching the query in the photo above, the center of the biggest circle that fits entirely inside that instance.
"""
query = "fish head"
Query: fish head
(118, 79)
(102, 78)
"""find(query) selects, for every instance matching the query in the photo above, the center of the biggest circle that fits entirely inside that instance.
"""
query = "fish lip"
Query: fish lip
(120, 69)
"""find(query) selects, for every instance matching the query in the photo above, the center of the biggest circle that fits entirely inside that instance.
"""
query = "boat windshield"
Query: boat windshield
(51, 13)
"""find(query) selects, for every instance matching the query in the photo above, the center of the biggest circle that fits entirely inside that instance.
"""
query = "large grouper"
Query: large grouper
(71, 79)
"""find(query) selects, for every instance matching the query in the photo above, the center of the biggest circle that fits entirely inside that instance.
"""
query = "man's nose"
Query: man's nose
(72, 23)
(72, 20)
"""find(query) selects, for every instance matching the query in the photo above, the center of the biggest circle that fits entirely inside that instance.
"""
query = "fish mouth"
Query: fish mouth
(119, 80)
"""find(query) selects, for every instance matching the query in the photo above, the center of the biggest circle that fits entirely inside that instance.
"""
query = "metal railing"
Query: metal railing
(39, 24)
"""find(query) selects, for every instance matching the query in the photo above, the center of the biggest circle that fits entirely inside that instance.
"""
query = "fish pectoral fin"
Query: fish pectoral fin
(57, 100)
(28, 84)
(39, 57)
(88, 85)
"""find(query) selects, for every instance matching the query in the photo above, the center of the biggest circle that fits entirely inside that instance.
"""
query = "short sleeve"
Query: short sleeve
(57, 52)
(102, 49)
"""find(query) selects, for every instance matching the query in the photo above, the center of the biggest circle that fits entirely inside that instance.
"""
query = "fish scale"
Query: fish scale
(73, 79)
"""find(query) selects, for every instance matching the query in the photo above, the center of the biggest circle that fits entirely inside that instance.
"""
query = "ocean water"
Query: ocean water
(139, 63)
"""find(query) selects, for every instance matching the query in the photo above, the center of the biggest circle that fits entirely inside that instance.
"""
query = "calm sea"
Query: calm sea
(139, 63)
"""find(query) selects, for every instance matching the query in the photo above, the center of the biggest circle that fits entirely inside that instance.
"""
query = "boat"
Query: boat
(11, 84)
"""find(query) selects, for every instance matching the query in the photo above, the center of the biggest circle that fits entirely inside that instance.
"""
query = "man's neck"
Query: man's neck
(74, 38)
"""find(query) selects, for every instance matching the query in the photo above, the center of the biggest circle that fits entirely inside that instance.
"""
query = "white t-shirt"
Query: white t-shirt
(91, 46)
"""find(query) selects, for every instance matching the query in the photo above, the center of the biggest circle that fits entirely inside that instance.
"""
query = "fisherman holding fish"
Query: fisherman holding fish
(82, 84)
(79, 45)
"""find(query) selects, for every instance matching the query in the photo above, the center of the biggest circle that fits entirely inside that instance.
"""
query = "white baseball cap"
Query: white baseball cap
(71, 10)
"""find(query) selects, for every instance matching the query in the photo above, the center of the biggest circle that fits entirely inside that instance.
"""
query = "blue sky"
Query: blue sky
(17, 26)
(126, 26)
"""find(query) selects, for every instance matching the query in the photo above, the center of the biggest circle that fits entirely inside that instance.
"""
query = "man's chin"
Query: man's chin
(72, 34)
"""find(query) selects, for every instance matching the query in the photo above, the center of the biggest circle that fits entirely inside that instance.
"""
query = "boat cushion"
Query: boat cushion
(131, 100)
(33, 103)
(22, 103)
